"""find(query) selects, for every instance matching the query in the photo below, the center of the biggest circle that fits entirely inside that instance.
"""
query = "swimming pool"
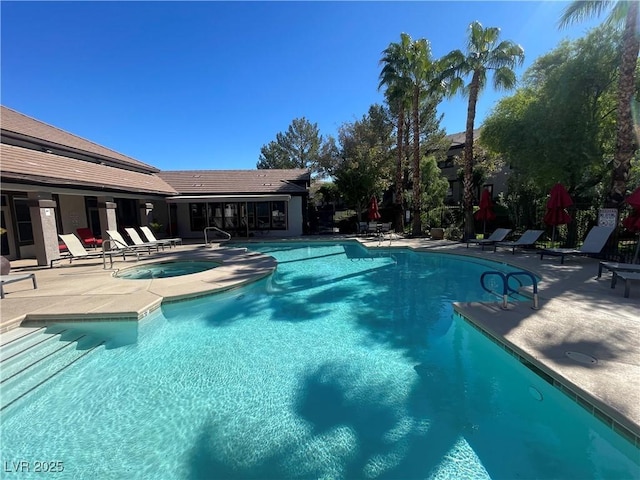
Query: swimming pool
(342, 364)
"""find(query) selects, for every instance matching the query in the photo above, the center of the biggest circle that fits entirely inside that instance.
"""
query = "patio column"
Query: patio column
(42, 209)
(146, 212)
(107, 212)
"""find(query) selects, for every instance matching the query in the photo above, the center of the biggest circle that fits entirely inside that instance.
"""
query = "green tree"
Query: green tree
(395, 77)
(621, 12)
(365, 160)
(559, 126)
(410, 72)
(484, 53)
(298, 147)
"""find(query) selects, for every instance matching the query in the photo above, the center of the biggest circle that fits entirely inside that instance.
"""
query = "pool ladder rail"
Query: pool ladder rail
(506, 289)
(217, 230)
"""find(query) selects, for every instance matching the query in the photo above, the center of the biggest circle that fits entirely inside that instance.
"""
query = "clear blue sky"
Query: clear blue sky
(204, 85)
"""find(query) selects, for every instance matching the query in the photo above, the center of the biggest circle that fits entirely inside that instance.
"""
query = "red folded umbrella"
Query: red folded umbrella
(634, 199)
(559, 200)
(486, 207)
(374, 214)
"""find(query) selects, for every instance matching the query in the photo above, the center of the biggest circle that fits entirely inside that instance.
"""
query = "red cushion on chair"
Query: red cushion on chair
(86, 235)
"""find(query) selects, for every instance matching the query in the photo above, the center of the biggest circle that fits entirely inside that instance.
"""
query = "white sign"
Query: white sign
(608, 217)
(47, 212)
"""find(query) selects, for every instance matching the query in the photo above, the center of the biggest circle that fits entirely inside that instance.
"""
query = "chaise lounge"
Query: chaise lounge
(16, 277)
(119, 242)
(146, 231)
(76, 251)
(499, 235)
(593, 244)
(527, 239)
(138, 242)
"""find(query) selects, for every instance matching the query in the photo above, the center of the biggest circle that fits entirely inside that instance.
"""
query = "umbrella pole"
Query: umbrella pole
(635, 255)
(553, 237)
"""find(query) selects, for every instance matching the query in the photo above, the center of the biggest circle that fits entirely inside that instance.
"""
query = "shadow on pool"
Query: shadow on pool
(328, 401)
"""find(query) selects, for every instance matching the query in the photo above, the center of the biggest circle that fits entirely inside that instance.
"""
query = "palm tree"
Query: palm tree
(412, 74)
(622, 12)
(484, 53)
(394, 76)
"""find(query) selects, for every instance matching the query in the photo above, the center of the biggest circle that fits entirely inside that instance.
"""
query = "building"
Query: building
(496, 183)
(55, 182)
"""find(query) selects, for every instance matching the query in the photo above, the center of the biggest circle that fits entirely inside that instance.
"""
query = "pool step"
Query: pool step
(30, 368)
(24, 342)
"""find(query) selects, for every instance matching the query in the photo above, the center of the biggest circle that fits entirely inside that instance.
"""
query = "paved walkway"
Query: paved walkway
(580, 317)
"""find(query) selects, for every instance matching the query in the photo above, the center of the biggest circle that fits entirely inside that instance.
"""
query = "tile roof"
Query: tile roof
(202, 182)
(31, 166)
(42, 133)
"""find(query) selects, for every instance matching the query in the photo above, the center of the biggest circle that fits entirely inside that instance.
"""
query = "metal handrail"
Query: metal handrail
(506, 289)
(206, 242)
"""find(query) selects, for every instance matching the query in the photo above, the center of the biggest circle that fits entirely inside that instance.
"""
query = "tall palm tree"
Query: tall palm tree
(484, 53)
(622, 12)
(413, 75)
(394, 76)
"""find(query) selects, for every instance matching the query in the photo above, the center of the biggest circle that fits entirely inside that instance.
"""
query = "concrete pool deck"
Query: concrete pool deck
(579, 314)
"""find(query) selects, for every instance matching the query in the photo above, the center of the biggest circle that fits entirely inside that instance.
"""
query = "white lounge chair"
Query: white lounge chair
(594, 242)
(527, 239)
(137, 240)
(499, 235)
(146, 231)
(16, 277)
(76, 251)
(119, 242)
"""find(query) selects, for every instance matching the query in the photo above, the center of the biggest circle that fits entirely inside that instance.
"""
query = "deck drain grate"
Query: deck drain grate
(581, 358)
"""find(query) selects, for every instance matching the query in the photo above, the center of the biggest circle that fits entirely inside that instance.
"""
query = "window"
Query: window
(198, 216)
(262, 215)
(215, 215)
(23, 221)
(278, 217)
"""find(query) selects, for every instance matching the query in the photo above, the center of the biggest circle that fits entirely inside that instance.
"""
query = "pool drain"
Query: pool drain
(581, 358)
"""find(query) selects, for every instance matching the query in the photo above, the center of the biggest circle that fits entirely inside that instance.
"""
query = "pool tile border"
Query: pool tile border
(565, 389)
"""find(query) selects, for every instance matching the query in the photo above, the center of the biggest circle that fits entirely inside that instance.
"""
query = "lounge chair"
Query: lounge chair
(527, 239)
(120, 243)
(146, 231)
(88, 238)
(593, 244)
(628, 277)
(497, 236)
(138, 242)
(617, 267)
(16, 277)
(76, 251)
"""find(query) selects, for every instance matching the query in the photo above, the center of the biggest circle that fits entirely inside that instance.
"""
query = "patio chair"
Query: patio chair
(137, 240)
(628, 277)
(499, 235)
(76, 251)
(121, 243)
(16, 277)
(88, 238)
(146, 231)
(593, 244)
(527, 239)
(615, 267)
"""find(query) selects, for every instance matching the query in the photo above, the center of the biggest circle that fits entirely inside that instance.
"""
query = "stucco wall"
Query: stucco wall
(72, 212)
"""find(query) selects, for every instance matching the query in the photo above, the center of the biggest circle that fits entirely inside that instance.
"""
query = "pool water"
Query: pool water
(340, 365)
(165, 269)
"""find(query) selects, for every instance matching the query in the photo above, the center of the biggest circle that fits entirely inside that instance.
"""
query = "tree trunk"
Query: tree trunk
(468, 196)
(399, 217)
(416, 227)
(625, 130)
